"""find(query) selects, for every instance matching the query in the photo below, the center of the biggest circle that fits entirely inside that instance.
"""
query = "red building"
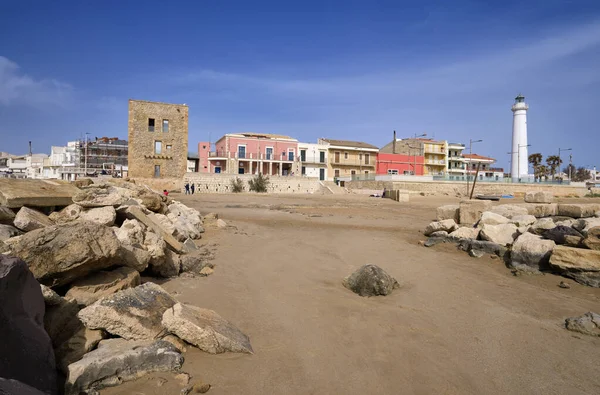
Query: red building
(391, 164)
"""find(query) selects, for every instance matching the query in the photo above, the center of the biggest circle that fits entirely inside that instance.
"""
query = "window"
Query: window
(269, 153)
(241, 152)
(337, 172)
(157, 147)
(291, 155)
(165, 125)
(360, 157)
(156, 171)
(303, 155)
(169, 146)
(367, 156)
(367, 172)
(392, 171)
(337, 157)
(151, 124)
(322, 156)
(345, 155)
(303, 170)
(353, 172)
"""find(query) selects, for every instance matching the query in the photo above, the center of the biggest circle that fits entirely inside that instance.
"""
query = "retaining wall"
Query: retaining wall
(221, 183)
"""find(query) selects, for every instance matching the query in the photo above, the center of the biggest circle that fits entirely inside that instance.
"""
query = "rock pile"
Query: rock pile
(535, 236)
(101, 325)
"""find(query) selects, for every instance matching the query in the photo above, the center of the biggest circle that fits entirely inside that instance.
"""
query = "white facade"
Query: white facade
(456, 161)
(519, 153)
(313, 158)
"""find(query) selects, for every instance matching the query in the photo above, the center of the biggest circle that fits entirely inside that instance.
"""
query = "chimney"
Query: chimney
(394, 144)
(30, 148)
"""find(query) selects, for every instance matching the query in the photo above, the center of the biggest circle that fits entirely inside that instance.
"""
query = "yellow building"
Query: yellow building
(435, 155)
(346, 159)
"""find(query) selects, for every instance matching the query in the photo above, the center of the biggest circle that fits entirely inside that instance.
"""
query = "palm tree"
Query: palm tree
(553, 162)
(542, 171)
(535, 160)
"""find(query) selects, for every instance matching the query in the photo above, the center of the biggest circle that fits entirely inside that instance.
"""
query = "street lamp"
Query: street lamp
(519, 160)
(470, 153)
(559, 150)
(415, 155)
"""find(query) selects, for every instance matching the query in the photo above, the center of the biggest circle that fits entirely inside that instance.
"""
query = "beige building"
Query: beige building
(158, 139)
(434, 153)
(349, 158)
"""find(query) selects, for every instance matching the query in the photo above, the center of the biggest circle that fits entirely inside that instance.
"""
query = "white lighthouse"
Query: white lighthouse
(519, 168)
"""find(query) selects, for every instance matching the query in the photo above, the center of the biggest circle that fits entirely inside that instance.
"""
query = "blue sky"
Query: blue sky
(346, 69)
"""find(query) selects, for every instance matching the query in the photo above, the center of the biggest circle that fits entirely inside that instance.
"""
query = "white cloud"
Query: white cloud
(19, 88)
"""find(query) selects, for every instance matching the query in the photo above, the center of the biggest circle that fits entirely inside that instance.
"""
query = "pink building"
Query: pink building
(253, 153)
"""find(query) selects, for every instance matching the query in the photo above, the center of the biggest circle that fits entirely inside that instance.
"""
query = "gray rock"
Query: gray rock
(588, 324)
(102, 215)
(169, 266)
(573, 241)
(449, 211)
(579, 264)
(584, 225)
(523, 220)
(439, 233)
(67, 214)
(447, 225)
(87, 290)
(117, 360)
(7, 216)
(205, 329)
(542, 225)
(51, 298)
(8, 231)
(592, 241)
(14, 387)
(59, 254)
(221, 224)
(486, 246)
(503, 234)
(28, 219)
(539, 197)
(465, 233)
(559, 233)
(134, 212)
(471, 210)
(134, 257)
(476, 253)
(195, 261)
(509, 210)
(532, 251)
(133, 314)
(541, 210)
(26, 353)
(370, 280)
(131, 233)
(432, 241)
(490, 218)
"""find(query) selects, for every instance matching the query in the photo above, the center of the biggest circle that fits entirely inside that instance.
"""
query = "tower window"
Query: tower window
(151, 124)
(157, 147)
(165, 126)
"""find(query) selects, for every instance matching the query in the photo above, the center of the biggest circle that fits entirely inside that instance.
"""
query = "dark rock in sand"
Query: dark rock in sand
(371, 280)
(588, 324)
(558, 234)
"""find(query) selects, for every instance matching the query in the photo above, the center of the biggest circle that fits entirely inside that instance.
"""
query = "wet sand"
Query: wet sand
(457, 325)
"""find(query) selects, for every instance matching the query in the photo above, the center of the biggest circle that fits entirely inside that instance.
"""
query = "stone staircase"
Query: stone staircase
(333, 188)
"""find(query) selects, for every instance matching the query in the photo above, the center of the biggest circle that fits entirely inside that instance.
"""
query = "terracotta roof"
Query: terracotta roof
(475, 156)
(348, 143)
(265, 135)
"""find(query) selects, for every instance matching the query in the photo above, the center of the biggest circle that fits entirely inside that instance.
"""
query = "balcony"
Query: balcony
(289, 157)
(456, 158)
(436, 162)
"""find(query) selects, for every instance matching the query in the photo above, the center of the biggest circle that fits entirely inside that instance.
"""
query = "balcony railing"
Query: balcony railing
(355, 163)
(439, 162)
(289, 157)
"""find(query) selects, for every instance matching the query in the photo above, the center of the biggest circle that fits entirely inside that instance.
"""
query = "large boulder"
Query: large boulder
(117, 360)
(542, 225)
(370, 280)
(10, 387)
(26, 353)
(579, 264)
(588, 324)
(7, 216)
(523, 220)
(187, 221)
(592, 241)
(164, 221)
(67, 214)
(102, 215)
(578, 210)
(449, 211)
(471, 210)
(100, 196)
(532, 251)
(195, 261)
(135, 212)
(559, 233)
(465, 232)
(89, 289)
(151, 200)
(539, 197)
(541, 210)
(509, 210)
(70, 338)
(28, 219)
(503, 234)
(168, 266)
(15, 193)
(134, 257)
(490, 218)
(59, 254)
(133, 314)
(447, 225)
(8, 231)
(205, 329)
(131, 232)
(584, 225)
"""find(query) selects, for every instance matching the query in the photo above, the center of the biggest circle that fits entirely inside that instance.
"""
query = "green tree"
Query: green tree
(259, 183)
(535, 160)
(553, 162)
(581, 174)
(542, 171)
(237, 185)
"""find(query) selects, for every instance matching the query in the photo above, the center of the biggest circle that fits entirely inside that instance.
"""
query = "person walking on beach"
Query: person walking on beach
(187, 188)
(193, 187)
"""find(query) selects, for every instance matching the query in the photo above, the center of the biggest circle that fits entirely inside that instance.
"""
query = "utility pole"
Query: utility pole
(570, 165)
(562, 149)
(470, 159)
